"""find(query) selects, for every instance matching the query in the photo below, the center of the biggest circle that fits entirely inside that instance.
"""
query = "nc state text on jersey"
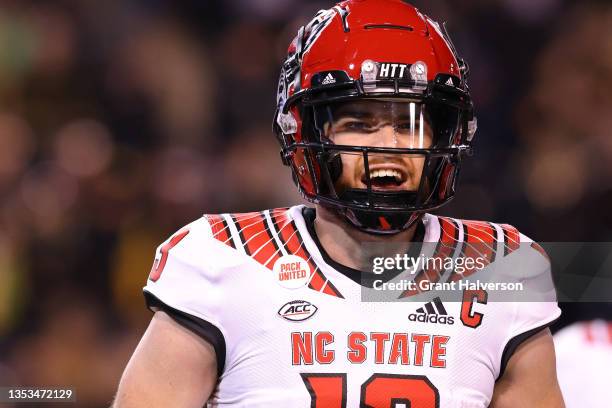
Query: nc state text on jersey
(308, 348)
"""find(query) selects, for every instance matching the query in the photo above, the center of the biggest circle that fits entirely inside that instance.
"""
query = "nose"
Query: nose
(386, 136)
(390, 136)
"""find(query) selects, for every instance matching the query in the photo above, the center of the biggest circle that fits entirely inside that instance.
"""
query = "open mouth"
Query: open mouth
(386, 178)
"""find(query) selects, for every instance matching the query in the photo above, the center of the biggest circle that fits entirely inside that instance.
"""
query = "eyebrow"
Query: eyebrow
(353, 112)
(368, 115)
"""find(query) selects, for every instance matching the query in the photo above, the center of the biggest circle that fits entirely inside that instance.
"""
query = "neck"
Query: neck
(351, 247)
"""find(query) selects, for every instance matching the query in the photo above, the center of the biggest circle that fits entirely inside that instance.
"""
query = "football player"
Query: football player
(269, 309)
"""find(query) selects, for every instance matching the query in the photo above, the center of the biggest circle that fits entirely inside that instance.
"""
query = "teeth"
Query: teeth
(386, 173)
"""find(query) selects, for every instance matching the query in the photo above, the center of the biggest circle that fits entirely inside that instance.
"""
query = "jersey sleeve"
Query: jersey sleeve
(536, 308)
(184, 284)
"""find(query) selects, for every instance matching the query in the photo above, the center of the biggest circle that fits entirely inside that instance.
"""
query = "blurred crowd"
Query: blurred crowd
(122, 121)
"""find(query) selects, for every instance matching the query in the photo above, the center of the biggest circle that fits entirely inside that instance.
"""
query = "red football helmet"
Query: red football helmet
(384, 51)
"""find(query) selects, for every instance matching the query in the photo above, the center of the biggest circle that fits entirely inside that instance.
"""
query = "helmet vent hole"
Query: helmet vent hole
(388, 27)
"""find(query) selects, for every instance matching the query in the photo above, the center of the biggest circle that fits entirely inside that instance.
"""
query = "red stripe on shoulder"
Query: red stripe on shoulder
(317, 280)
(479, 242)
(449, 237)
(290, 237)
(220, 229)
(330, 289)
(292, 240)
(483, 237)
(512, 239)
(257, 239)
(256, 236)
(449, 233)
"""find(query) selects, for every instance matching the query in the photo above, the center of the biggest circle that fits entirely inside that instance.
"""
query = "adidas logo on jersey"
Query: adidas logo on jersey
(329, 79)
(432, 312)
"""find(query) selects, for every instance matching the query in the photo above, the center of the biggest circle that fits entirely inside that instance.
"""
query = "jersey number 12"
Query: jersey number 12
(328, 390)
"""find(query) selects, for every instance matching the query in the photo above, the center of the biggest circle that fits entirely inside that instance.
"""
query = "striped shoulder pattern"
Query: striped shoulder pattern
(466, 239)
(266, 236)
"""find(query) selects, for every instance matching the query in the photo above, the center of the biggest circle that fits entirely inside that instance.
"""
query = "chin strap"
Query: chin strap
(379, 222)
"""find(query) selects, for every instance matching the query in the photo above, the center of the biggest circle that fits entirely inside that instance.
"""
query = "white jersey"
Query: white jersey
(584, 358)
(290, 329)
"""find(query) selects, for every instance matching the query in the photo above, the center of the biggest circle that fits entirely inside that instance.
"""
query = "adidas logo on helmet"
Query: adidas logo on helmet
(329, 79)
(432, 312)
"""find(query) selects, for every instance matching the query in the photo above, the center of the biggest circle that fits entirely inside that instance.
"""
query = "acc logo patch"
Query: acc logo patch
(297, 310)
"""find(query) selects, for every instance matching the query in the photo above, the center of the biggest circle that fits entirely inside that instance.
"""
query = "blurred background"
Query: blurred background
(122, 121)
